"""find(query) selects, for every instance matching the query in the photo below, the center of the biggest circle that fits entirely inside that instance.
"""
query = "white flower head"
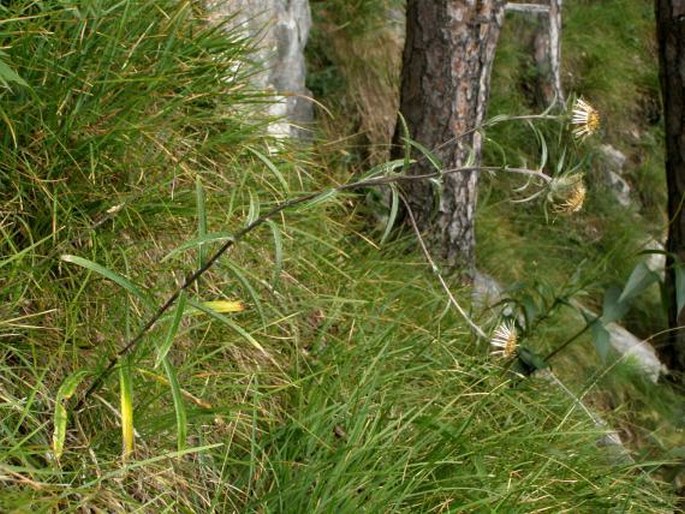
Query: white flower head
(505, 340)
(585, 118)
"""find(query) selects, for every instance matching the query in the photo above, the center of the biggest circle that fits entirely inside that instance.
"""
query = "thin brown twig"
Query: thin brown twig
(436, 271)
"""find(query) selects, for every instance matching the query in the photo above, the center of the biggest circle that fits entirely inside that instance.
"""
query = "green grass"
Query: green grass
(348, 384)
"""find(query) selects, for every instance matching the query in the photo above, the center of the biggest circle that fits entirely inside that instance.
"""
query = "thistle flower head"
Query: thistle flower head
(568, 193)
(585, 118)
(505, 340)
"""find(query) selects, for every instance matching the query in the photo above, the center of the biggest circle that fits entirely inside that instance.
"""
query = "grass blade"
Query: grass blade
(201, 220)
(65, 391)
(179, 406)
(126, 398)
(109, 274)
(171, 334)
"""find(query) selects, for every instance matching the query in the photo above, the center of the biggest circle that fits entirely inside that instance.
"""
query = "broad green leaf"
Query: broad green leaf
(529, 361)
(640, 279)
(109, 274)
(601, 340)
(7, 75)
(613, 309)
(65, 391)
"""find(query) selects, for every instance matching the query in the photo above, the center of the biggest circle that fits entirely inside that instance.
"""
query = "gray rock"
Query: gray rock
(641, 352)
(280, 29)
(614, 159)
(656, 262)
(618, 186)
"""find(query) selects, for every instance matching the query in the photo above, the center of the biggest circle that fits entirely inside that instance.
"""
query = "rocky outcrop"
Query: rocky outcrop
(280, 29)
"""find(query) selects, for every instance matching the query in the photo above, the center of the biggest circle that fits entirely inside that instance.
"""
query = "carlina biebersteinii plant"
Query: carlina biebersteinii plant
(504, 340)
(585, 118)
(568, 193)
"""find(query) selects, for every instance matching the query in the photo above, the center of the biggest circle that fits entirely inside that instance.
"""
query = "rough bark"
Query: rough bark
(670, 16)
(448, 55)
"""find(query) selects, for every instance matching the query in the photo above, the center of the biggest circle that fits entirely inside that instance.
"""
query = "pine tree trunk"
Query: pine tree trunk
(448, 55)
(670, 16)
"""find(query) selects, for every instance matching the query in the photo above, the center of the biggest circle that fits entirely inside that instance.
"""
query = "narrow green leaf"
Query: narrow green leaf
(179, 406)
(680, 286)
(432, 158)
(60, 418)
(394, 209)
(248, 287)
(253, 213)
(213, 237)
(272, 168)
(231, 324)
(111, 275)
(163, 350)
(201, 220)
(278, 251)
(385, 168)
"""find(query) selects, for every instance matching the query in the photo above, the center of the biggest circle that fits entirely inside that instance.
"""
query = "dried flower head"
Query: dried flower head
(585, 118)
(505, 340)
(567, 193)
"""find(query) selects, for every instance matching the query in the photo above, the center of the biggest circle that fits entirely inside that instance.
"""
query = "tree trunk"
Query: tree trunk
(448, 55)
(670, 15)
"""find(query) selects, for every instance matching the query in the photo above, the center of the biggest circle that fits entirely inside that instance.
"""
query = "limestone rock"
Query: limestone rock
(280, 29)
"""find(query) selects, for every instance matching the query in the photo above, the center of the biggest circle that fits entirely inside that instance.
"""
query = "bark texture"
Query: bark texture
(670, 15)
(448, 55)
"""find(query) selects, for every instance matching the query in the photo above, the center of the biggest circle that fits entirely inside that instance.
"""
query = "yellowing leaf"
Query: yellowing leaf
(66, 391)
(224, 306)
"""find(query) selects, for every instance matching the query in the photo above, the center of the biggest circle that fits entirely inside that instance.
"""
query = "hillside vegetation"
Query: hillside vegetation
(317, 366)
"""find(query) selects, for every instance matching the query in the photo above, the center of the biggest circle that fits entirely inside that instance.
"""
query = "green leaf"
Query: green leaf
(529, 361)
(60, 418)
(126, 403)
(271, 166)
(432, 158)
(601, 340)
(640, 279)
(213, 237)
(613, 309)
(179, 406)
(231, 324)
(278, 251)
(111, 275)
(680, 286)
(173, 329)
(394, 208)
(201, 220)
(7, 75)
